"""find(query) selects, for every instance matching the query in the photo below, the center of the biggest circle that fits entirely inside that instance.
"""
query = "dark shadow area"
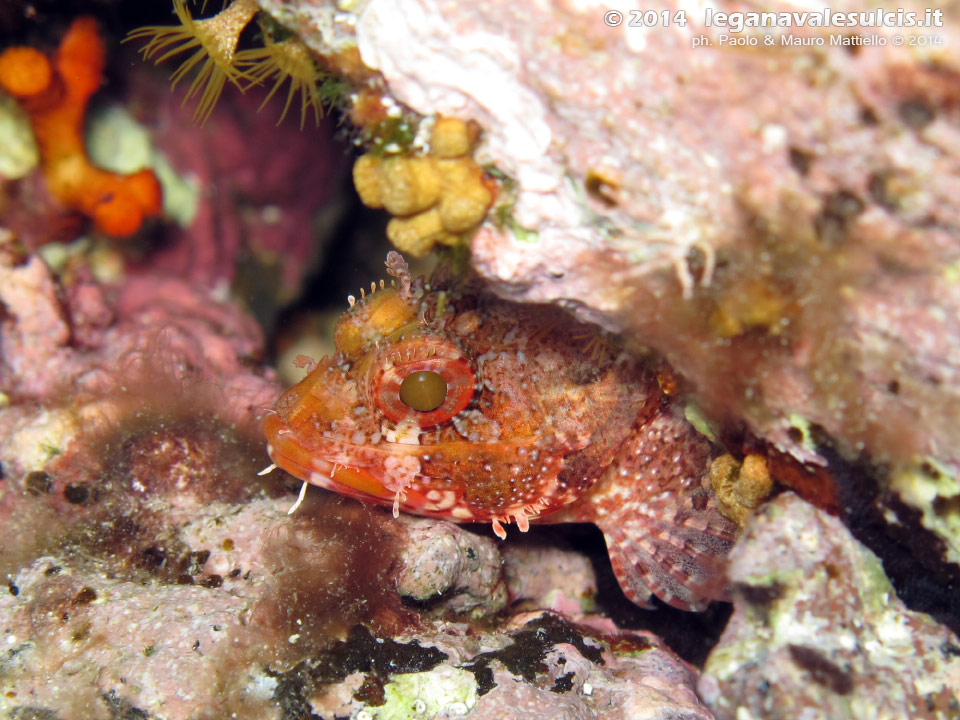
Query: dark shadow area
(913, 557)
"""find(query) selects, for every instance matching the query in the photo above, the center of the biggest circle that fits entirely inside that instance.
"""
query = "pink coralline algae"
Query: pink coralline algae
(817, 631)
(64, 654)
(543, 575)
(258, 187)
(73, 336)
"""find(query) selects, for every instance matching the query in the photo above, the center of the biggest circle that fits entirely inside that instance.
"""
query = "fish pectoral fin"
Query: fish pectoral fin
(660, 518)
(679, 555)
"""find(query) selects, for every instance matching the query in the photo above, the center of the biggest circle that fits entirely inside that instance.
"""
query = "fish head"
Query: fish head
(439, 404)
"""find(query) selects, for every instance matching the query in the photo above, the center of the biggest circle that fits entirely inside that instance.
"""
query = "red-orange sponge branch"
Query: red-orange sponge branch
(55, 95)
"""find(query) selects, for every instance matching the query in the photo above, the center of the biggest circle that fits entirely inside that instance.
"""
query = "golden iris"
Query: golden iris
(423, 390)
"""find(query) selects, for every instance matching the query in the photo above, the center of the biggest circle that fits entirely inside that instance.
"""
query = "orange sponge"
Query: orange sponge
(55, 95)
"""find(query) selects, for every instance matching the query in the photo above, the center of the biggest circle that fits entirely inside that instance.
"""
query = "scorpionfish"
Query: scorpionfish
(445, 401)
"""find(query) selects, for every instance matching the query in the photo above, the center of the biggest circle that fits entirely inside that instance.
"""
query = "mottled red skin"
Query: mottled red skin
(561, 427)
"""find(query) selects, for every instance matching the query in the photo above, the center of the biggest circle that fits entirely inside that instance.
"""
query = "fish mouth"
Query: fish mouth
(362, 483)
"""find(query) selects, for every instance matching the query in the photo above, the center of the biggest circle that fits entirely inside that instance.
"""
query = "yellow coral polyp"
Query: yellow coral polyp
(418, 233)
(434, 197)
(214, 42)
(740, 488)
(286, 60)
(467, 205)
(408, 185)
(366, 179)
(451, 138)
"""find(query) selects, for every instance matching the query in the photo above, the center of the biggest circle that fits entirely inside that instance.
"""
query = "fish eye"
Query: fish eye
(423, 390)
(421, 380)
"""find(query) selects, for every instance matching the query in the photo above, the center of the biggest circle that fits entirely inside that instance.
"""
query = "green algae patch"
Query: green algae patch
(934, 491)
(19, 154)
(443, 690)
(117, 142)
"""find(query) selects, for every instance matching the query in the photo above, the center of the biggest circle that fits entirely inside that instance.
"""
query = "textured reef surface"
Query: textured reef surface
(770, 235)
(818, 632)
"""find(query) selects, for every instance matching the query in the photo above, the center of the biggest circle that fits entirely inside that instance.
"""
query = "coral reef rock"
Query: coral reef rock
(74, 643)
(536, 665)
(442, 559)
(547, 576)
(84, 333)
(256, 205)
(817, 631)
